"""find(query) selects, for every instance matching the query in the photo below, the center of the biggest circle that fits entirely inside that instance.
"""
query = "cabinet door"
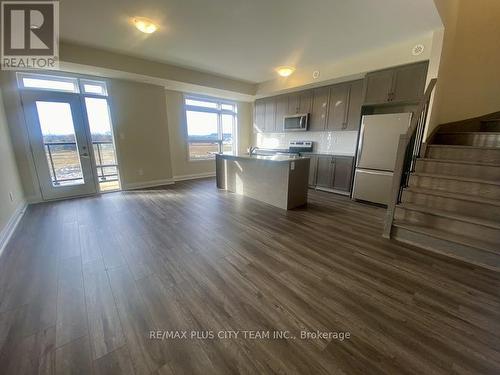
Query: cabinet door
(293, 103)
(324, 174)
(355, 103)
(319, 111)
(259, 116)
(270, 112)
(313, 166)
(305, 101)
(378, 86)
(343, 173)
(409, 83)
(337, 110)
(281, 111)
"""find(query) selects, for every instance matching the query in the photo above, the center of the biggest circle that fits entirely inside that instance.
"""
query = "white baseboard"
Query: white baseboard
(10, 227)
(194, 176)
(147, 184)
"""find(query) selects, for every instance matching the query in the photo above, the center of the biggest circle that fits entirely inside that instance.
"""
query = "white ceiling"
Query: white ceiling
(246, 39)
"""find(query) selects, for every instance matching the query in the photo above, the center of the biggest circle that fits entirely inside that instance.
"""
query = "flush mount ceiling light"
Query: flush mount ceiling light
(285, 71)
(145, 25)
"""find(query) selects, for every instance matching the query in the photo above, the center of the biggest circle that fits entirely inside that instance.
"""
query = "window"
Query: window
(93, 87)
(211, 127)
(44, 82)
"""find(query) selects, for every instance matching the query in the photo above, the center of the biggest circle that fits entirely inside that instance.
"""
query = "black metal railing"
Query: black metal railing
(98, 155)
(108, 177)
(409, 148)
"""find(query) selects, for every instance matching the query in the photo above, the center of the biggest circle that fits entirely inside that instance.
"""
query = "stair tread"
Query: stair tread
(469, 132)
(454, 161)
(450, 215)
(446, 194)
(442, 145)
(460, 178)
(480, 246)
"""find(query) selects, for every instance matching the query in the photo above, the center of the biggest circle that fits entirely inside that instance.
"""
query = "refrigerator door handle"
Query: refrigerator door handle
(360, 144)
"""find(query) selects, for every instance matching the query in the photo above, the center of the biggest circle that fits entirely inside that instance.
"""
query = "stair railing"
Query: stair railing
(409, 148)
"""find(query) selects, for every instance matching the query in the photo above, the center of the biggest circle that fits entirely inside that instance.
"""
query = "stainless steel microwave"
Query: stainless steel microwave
(297, 122)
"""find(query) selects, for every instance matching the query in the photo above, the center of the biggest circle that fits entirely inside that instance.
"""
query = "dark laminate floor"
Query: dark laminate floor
(84, 281)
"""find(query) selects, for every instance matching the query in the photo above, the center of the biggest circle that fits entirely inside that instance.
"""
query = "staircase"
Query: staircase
(451, 204)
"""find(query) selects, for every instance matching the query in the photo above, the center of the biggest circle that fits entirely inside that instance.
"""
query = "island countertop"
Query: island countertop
(272, 158)
(279, 180)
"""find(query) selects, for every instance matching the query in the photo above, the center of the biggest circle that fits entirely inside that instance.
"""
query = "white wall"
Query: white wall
(9, 181)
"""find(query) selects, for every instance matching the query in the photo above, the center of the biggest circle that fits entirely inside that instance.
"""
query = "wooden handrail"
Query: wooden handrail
(417, 123)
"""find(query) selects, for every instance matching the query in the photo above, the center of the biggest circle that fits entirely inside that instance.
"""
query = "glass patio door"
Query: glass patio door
(59, 143)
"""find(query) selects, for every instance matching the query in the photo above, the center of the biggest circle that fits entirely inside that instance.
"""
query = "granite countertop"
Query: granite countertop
(272, 158)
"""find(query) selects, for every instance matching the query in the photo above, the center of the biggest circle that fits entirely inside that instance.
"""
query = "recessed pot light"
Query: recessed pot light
(145, 25)
(285, 71)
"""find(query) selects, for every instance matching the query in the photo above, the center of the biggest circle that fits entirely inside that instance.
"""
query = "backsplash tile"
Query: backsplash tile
(339, 143)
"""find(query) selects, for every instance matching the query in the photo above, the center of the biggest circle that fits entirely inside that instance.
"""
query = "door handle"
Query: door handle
(85, 155)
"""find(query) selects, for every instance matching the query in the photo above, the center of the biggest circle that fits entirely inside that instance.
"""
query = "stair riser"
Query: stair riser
(493, 126)
(469, 208)
(450, 249)
(481, 156)
(491, 173)
(472, 230)
(484, 140)
(456, 186)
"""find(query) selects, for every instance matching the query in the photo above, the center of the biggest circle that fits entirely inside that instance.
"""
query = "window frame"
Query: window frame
(54, 78)
(219, 111)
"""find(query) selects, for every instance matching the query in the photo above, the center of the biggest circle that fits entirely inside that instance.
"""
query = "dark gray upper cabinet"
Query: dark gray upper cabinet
(401, 84)
(259, 115)
(319, 111)
(293, 103)
(305, 101)
(281, 112)
(355, 103)
(337, 115)
(300, 102)
(378, 86)
(409, 83)
(342, 175)
(269, 114)
(324, 172)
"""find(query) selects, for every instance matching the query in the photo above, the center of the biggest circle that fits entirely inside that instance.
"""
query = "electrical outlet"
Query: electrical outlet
(11, 196)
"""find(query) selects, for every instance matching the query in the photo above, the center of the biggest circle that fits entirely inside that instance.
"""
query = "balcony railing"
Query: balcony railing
(103, 170)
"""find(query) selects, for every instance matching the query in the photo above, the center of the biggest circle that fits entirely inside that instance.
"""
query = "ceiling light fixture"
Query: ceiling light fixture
(145, 25)
(285, 71)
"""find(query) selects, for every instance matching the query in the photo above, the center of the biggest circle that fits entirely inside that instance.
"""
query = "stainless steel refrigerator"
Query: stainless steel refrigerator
(378, 144)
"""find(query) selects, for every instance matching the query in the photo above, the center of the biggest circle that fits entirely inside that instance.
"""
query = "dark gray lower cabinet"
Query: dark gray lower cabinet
(313, 167)
(331, 172)
(343, 173)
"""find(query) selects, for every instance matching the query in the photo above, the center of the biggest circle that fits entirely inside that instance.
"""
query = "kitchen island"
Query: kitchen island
(278, 180)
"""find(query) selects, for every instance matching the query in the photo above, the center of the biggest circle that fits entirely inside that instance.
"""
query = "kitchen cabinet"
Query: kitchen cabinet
(344, 112)
(337, 116)
(401, 84)
(409, 83)
(299, 102)
(319, 112)
(325, 169)
(281, 112)
(354, 108)
(342, 175)
(331, 172)
(259, 115)
(313, 166)
(269, 115)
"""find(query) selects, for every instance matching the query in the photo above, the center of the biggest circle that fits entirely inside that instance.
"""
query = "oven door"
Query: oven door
(295, 123)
